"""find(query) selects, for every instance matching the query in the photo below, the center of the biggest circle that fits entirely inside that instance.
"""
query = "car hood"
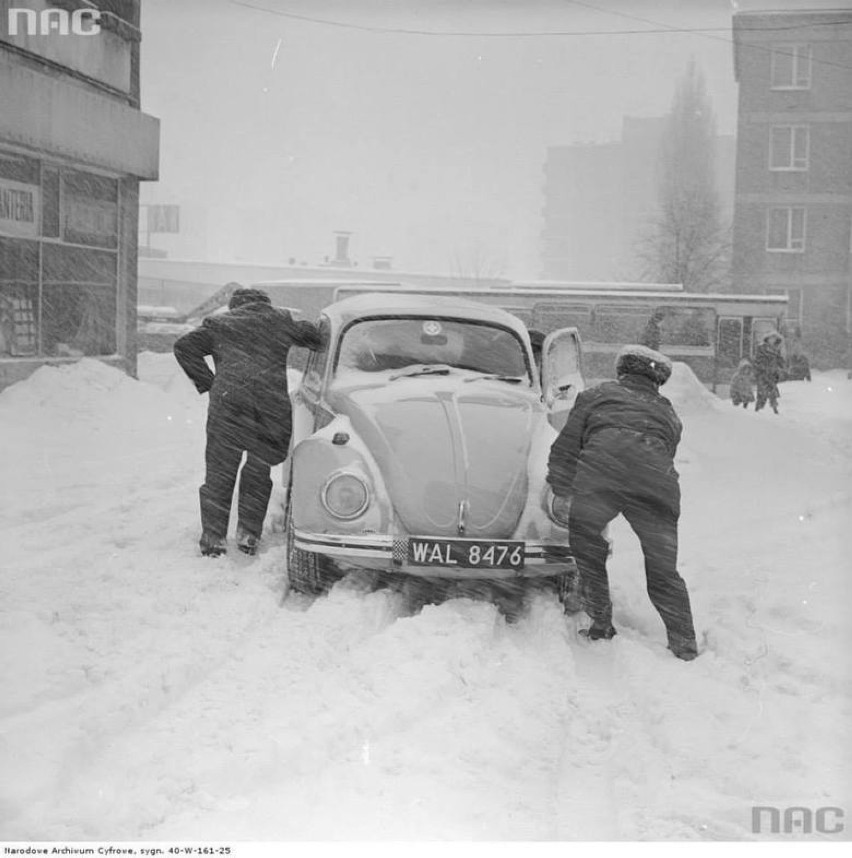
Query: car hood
(453, 453)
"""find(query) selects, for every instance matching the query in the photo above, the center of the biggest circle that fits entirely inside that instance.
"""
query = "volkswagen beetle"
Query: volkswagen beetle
(421, 431)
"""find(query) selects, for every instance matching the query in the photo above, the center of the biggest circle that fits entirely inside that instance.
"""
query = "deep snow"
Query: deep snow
(151, 694)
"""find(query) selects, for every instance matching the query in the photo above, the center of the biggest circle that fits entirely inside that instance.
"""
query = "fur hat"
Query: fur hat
(640, 360)
(247, 296)
(771, 336)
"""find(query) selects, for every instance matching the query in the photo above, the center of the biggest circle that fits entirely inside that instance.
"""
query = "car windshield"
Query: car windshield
(402, 345)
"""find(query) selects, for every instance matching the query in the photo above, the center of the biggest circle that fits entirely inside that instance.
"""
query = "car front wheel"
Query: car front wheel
(307, 572)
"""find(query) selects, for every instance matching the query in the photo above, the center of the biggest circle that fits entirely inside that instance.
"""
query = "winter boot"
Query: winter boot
(597, 632)
(247, 542)
(684, 648)
(212, 546)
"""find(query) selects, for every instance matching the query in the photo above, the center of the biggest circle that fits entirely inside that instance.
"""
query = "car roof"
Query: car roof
(388, 303)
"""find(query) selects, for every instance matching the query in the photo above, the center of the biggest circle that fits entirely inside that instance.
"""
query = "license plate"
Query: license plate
(467, 553)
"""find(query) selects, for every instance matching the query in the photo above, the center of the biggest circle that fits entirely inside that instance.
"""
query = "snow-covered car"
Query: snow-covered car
(420, 438)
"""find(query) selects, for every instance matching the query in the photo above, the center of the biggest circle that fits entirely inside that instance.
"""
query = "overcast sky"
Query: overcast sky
(277, 130)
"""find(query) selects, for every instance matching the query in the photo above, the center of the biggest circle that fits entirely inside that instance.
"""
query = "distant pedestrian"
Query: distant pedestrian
(798, 366)
(652, 335)
(616, 455)
(768, 370)
(742, 384)
(249, 410)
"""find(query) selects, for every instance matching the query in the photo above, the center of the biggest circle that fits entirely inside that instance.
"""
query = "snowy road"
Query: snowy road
(151, 694)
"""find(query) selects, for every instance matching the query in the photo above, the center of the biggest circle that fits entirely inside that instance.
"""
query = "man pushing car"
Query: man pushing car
(249, 409)
(615, 455)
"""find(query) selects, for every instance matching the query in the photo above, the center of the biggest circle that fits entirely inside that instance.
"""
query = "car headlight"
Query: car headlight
(558, 508)
(345, 495)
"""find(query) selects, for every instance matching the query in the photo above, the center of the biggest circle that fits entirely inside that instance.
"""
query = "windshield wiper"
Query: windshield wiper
(509, 379)
(422, 369)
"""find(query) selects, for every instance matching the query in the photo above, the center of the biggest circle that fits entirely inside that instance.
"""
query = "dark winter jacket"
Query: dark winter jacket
(248, 391)
(768, 365)
(621, 436)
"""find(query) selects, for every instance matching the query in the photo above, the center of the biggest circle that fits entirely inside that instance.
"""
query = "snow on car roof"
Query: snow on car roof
(381, 303)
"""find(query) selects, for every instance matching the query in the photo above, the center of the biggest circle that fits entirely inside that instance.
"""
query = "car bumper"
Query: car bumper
(390, 553)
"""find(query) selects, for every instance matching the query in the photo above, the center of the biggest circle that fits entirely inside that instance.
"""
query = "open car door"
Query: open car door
(561, 373)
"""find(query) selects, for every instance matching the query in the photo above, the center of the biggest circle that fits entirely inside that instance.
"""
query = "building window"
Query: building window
(785, 229)
(791, 67)
(58, 260)
(789, 147)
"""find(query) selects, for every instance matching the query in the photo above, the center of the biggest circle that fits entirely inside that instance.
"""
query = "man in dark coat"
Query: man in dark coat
(249, 409)
(768, 370)
(616, 455)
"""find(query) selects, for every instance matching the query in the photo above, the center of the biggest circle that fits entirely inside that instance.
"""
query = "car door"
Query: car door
(562, 373)
(307, 398)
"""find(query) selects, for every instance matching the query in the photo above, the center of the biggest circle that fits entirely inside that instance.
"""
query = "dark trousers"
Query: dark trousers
(656, 526)
(767, 391)
(223, 456)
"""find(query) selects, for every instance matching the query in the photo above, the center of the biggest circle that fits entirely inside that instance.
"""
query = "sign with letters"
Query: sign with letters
(20, 209)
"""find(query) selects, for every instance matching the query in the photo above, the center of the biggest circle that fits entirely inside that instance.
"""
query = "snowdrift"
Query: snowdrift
(151, 694)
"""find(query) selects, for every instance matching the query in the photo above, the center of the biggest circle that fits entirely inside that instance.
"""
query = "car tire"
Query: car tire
(307, 572)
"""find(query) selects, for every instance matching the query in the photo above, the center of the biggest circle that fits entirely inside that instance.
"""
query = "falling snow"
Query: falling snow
(151, 694)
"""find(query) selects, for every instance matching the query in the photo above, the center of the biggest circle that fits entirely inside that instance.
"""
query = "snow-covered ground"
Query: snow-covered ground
(151, 694)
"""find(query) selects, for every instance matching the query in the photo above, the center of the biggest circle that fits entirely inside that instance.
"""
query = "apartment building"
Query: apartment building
(793, 196)
(600, 200)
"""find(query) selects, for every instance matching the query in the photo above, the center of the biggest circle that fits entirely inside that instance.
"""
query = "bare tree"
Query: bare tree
(476, 262)
(687, 242)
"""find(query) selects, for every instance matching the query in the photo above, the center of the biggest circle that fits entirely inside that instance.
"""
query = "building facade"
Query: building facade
(600, 200)
(74, 146)
(793, 201)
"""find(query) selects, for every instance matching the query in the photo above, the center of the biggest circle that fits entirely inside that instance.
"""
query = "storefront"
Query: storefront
(73, 148)
(58, 260)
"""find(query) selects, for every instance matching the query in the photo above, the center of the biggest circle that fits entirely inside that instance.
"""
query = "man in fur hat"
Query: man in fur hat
(616, 455)
(768, 370)
(249, 409)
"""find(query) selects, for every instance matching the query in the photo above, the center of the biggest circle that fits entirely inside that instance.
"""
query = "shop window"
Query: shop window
(79, 301)
(619, 324)
(18, 298)
(682, 326)
(89, 209)
(730, 346)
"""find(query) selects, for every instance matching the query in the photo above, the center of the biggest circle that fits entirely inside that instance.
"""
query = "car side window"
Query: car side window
(315, 370)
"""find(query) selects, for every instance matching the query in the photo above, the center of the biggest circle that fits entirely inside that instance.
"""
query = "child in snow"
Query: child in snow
(742, 384)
